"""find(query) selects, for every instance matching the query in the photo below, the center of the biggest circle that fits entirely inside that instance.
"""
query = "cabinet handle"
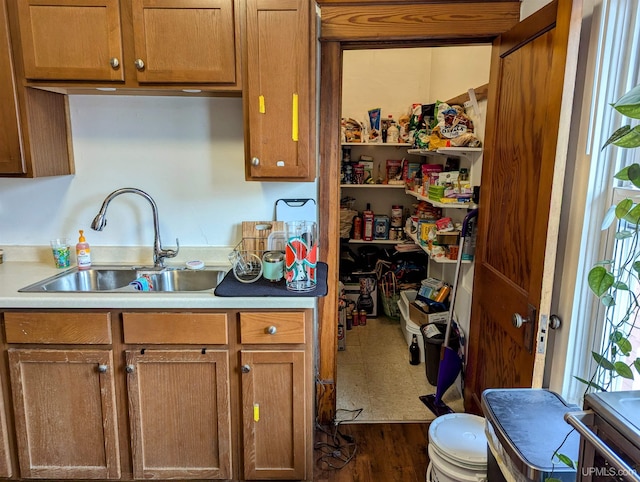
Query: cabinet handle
(139, 64)
(130, 368)
(255, 161)
(245, 368)
(114, 62)
(271, 330)
(102, 368)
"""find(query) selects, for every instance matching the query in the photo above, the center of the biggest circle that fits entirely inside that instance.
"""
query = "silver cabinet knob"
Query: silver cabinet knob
(114, 62)
(139, 64)
(555, 322)
(279, 163)
(102, 368)
(255, 161)
(271, 330)
(245, 369)
(130, 368)
(518, 320)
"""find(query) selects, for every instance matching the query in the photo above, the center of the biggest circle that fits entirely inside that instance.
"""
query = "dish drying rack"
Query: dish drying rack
(246, 259)
(258, 237)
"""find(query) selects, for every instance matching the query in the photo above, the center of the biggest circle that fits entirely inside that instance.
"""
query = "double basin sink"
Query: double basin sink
(110, 279)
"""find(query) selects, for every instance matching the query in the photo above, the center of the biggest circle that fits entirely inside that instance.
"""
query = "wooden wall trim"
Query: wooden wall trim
(330, 107)
(444, 20)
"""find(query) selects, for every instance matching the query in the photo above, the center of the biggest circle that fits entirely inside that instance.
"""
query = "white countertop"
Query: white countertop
(16, 274)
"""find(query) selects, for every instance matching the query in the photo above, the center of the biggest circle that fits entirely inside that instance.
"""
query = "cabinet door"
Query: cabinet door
(277, 90)
(10, 157)
(274, 419)
(65, 413)
(184, 41)
(71, 39)
(179, 413)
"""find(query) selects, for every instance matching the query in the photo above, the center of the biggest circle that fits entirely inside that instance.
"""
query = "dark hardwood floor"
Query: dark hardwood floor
(371, 452)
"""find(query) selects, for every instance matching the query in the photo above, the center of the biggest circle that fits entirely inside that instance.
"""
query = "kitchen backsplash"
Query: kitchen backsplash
(187, 153)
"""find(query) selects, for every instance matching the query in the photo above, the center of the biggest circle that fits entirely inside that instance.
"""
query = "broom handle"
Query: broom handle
(465, 227)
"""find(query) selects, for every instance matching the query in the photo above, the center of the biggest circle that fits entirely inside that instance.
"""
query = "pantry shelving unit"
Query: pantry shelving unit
(467, 154)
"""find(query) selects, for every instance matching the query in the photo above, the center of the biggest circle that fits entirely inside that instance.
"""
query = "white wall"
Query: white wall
(527, 7)
(187, 153)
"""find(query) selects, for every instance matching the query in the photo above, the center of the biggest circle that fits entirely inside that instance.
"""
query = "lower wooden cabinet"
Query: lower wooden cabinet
(180, 414)
(274, 409)
(65, 413)
(160, 395)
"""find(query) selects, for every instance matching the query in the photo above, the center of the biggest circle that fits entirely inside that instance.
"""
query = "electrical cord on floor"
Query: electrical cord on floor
(335, 454)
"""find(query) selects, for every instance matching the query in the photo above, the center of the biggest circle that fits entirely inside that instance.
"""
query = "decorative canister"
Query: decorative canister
(273, 265)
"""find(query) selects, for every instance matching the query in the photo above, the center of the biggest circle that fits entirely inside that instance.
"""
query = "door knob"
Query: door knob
(102, 368)
(272, 330)
(555, 322)
(518, 320)
(255, 161)
(245, 369)
(130, 369)
(114, 62)
(139, 64)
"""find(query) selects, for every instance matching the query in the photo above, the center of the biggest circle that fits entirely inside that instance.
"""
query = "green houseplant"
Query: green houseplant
(616, 281)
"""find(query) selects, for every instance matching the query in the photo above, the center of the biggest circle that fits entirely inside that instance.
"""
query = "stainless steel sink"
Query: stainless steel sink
(109, 279)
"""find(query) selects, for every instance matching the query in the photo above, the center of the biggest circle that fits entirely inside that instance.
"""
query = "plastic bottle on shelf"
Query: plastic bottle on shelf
(393, 133)
(83, 252)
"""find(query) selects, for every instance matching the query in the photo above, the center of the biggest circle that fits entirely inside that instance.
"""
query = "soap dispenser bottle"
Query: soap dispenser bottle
(83, 252)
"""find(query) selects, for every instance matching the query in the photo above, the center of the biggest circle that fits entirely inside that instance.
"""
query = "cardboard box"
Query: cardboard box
(419, 317)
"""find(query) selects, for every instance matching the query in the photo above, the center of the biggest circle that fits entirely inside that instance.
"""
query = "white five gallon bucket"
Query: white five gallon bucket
(457, 449)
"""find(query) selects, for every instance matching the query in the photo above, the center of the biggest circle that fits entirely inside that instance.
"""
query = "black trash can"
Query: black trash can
(433, 338)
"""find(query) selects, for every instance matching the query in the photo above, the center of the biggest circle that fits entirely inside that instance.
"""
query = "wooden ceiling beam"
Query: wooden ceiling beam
(372, 21)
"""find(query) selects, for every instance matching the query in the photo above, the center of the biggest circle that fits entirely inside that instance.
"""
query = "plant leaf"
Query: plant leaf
(619, 285)
(609, 217)
(623, 370)
(608, 300)
(600, 280)
(636, 364)
(623, 343)
(629, 140)
(565, 460)
(602, 361)
(623, 234)
(633, 216)
(618, 134)
(629, 103)
(634, 173)
(636, 266)
(623, 207)
(591, 384)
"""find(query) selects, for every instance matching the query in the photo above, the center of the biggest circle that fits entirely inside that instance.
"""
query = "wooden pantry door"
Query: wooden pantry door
(531, 91)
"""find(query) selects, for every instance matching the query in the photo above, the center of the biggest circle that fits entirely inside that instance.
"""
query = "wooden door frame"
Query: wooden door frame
(361, 24)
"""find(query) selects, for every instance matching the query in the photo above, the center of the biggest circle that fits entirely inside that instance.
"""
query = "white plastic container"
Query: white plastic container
(408, 327)
(457, 449)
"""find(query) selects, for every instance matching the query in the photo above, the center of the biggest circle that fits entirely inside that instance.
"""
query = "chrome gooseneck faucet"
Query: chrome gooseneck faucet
(159, 254)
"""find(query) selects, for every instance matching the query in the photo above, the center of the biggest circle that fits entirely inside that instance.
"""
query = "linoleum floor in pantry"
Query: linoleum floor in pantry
(374, 374)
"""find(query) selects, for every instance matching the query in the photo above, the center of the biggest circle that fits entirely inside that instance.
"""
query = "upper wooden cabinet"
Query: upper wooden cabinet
(126, 44)
(71, 39)
(278, 90)
(33, 124)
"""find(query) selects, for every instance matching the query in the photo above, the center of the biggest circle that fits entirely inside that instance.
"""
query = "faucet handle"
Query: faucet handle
(171, 253)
